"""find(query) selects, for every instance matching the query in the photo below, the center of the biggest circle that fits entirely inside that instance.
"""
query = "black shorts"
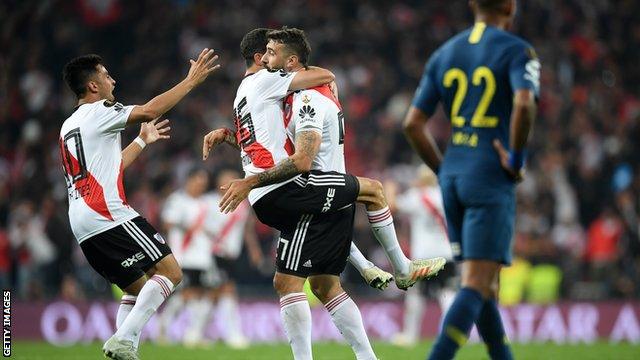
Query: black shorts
(196, 278)
(314, 214)
(126, 252)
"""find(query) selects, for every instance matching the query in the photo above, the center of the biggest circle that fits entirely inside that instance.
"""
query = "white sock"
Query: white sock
(296, 317)
(154, 292)
(126, 304)
(413, 311)
(170, 312)
(199, 310)
(382, 225)
(346, 315)
(228, 310)
(357, 259)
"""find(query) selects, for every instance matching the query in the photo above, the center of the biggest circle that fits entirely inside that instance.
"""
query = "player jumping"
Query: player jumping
(117, 242)
(487, 80)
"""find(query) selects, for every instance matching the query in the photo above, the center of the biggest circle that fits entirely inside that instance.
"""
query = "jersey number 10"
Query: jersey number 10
(480, 74)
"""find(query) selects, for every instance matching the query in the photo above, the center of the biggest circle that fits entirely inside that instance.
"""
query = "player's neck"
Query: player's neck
(88, 99)
(493, 20)
(253, 69)
(295, 68)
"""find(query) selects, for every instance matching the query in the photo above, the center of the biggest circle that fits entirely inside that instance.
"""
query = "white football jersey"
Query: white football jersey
(227, 229)
(92, 163)
(259, 128)
(424, 208)
(316, 109)
(188, 236)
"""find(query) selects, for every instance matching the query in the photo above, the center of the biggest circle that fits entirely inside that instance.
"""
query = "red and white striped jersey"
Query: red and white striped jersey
(425, 210)
(259, 128)
(228, 230)
(317, 110)
(188, 237)
(92, 162)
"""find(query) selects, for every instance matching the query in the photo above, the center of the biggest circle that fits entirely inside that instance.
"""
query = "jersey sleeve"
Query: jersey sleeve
(308, 111)
(112, 116)
(273, 85)
(427, 94)
(524, 69)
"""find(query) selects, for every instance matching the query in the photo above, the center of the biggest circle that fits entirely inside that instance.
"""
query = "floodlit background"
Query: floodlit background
(577, 243)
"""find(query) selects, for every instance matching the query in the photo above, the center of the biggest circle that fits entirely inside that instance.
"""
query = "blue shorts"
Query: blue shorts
(480, 218)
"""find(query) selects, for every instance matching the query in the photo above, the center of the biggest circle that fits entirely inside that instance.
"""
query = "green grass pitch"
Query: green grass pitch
(329, 351)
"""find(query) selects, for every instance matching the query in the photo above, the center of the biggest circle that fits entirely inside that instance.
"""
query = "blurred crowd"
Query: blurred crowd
(577, 207)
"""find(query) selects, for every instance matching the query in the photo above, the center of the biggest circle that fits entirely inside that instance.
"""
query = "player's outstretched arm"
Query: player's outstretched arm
(307, 147)
(420, 139)
(217, 137)
(522, 117)
(312, 77)
(156, 107)
(149, 133)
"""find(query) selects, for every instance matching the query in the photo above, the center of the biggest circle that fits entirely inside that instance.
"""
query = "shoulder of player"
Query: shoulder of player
(312, 96)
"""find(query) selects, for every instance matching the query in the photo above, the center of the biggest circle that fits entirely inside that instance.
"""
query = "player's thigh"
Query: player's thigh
(488, 230)
(454, 213)
(325, 287)
(287, 283)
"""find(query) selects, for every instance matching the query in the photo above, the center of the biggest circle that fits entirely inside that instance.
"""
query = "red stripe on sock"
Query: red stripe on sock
(336, 301)
(380, 217)
(127, 302)
(165, 288)
(293, 299)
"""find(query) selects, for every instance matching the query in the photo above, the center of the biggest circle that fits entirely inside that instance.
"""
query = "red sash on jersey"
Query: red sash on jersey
(436, 214)
(197, 225)
(228, 226)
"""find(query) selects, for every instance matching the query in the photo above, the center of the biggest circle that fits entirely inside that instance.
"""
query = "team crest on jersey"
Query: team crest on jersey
(306, 98)
(159, 237)
(306, 113)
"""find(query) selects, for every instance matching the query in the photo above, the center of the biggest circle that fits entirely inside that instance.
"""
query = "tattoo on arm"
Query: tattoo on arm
(230, 138)
(307, 144)
(286, 169)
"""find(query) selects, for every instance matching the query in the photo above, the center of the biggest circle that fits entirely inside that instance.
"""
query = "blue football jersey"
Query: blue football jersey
(475, 75)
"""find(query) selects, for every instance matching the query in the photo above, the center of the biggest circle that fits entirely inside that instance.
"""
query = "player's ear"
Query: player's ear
(257, 58)
(92, 86)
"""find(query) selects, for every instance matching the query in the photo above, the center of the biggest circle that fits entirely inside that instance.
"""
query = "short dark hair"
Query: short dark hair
(491, 5)
(295, 40)
(255, 41)
(76, 73)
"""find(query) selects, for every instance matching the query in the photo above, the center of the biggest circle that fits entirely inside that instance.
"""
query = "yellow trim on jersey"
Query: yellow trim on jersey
(476, 33)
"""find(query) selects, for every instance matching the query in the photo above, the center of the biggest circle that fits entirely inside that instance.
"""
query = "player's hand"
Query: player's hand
(153, 131)
(203, 67)
(211, 140)
(235, 193)
(504, 161)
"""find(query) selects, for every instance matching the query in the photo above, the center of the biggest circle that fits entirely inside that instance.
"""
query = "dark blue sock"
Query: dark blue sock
(457, 324)
(491, 330)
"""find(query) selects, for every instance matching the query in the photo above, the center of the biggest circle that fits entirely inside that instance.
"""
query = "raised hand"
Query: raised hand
(203, 67)
(153, 131)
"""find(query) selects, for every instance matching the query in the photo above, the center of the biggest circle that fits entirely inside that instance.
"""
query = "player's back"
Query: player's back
(92, 162)
(318, 110)
(259, 128)
(476, 74)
